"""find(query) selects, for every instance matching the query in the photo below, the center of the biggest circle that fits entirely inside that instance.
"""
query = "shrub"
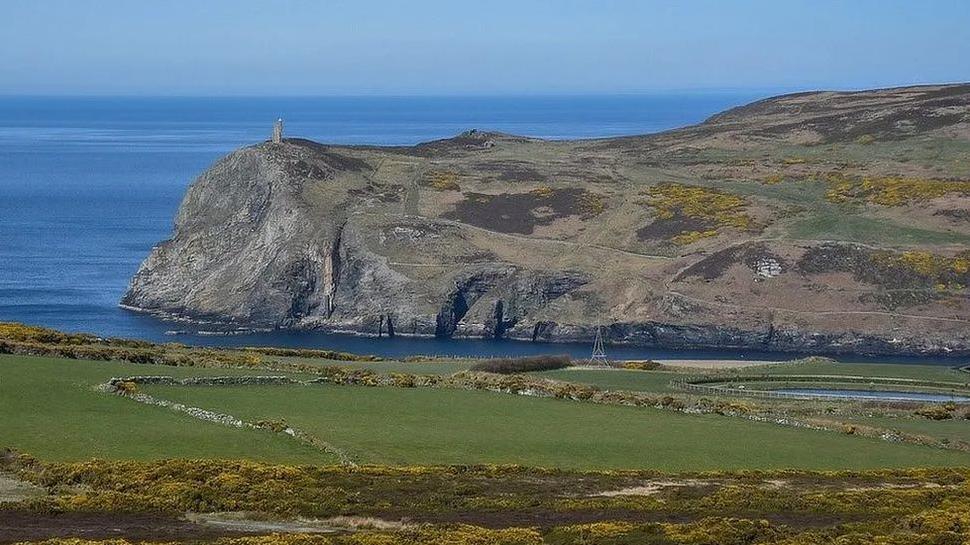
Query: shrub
(732, 407)
(713, 207)
(646, 365)
(272, 425)
(36, 341)
(889, 191)
(934, 412)
(443, 181)
(24, 333)
(508, 366)
(690, 237)
(403, 380)
(543, 192)
(420, 359)
(126, 387)
(591, 205)
(671, 402)
(310, 353)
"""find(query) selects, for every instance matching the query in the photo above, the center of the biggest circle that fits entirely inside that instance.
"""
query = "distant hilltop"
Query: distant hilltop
(826, 222)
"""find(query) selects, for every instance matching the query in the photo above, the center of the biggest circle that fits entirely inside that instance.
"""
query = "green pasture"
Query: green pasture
(443, 426)
(50, 408)
(954, 429)
(659, 381)
(935, 372)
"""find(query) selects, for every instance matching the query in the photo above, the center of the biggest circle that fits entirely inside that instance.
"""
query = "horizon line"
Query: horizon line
(779, 90)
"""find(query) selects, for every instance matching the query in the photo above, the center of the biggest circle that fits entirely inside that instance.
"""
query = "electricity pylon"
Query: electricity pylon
(599, 357)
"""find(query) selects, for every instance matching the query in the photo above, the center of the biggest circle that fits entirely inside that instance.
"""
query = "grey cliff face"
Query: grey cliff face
(240, 251)
(248, 249)
(491, 236)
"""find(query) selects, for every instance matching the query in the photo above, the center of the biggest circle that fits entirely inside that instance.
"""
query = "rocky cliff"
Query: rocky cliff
(829, 222)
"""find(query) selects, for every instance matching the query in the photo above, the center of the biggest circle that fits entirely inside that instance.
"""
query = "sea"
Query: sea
(89, 184)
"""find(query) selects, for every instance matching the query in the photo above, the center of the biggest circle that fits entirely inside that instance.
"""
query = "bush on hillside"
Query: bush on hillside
(934, 412)
(312, 353)
(126, 387)
(16, 332)
(646, 365)
(508, 366)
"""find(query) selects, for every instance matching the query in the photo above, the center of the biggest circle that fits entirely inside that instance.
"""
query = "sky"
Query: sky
(484, 47)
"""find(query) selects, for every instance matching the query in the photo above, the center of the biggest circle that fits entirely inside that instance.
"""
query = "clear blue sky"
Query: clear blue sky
(321, 47)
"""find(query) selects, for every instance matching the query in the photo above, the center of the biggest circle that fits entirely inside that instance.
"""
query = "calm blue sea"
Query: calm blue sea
(88, 185)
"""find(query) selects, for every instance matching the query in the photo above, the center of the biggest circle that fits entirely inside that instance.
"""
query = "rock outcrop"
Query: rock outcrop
(800, 223)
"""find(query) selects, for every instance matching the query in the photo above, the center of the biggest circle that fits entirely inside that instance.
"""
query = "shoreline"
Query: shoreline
(348, 340)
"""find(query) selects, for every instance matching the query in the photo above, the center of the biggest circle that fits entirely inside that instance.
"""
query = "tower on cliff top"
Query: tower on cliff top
(278, 131)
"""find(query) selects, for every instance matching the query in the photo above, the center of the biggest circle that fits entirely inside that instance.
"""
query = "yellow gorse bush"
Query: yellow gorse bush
(25, 333)
(443, 181)
(543, 192)
(890, 191)
(717, 208)
(945, 272)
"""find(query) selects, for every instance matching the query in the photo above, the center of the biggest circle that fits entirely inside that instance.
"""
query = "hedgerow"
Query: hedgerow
(310, 353)
(526, 364)
(646, 365)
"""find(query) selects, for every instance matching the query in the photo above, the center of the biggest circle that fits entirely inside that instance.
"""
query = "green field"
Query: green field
(941, 373)
(820, 219)
(443, 426)
(836, 224)
(659, 381)
(50, 409)
(955, 429)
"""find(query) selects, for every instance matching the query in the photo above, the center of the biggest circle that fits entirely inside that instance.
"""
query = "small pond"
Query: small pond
(882, 395)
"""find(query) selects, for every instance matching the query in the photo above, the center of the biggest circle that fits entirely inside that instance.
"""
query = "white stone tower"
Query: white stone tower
(278, 131)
